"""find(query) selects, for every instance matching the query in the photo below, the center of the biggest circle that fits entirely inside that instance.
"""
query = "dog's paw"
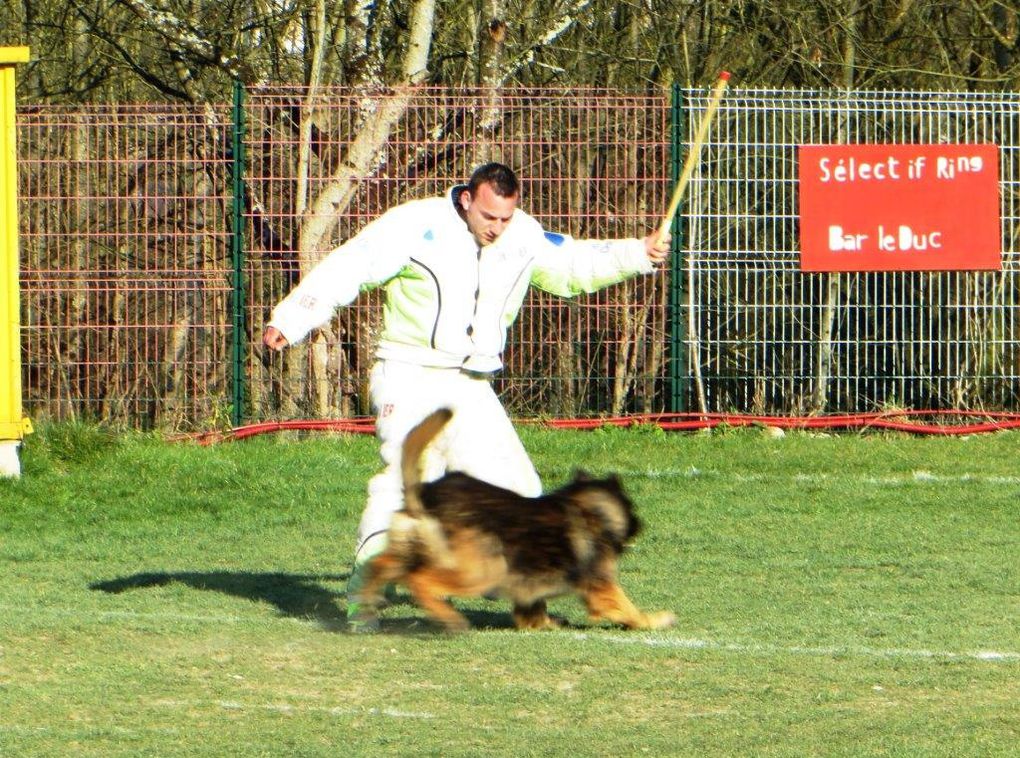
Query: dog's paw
(537, 623)
(363, 626)
(456, 626)
(362, 622)
(661, 620)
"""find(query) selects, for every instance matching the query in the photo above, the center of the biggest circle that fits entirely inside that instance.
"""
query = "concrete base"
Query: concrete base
(10, 464)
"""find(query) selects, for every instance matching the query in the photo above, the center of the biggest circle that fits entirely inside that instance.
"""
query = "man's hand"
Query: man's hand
(273, 339)
(656, 251)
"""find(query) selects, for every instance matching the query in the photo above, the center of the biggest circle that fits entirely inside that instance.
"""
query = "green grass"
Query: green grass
(845, 595)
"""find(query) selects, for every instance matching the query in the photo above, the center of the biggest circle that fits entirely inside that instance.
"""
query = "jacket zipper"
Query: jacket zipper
(502, 311)
(478, 291)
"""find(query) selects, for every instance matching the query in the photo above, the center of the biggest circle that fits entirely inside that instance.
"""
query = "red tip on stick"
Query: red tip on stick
(693, 154)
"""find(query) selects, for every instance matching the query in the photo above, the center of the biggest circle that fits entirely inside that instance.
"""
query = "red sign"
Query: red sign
(899, 208)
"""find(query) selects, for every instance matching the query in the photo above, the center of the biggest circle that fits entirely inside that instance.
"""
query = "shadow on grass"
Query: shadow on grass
(299, 596)
(480, 621)
(293, 595)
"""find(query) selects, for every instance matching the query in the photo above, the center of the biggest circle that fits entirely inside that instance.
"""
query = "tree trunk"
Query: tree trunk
(831, 281)
(318, 375)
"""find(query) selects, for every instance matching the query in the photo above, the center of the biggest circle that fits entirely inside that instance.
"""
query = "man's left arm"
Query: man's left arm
(569, 267)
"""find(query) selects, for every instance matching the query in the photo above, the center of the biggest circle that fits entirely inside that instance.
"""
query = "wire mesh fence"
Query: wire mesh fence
(125, 221)
(592, 163)
(767, 338)
(128, 275)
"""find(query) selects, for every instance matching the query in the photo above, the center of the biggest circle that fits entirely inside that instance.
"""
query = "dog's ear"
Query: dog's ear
(582, 476)
(612, 483)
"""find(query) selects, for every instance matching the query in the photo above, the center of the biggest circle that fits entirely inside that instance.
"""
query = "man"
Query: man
(455, 271)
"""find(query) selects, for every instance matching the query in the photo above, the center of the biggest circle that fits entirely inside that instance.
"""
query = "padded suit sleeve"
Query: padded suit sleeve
(567, 267)
(377, 253)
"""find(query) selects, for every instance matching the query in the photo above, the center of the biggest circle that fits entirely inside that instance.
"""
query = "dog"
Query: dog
(462, 537)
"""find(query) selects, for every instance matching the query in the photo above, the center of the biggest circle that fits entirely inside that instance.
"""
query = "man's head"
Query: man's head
(488, 202)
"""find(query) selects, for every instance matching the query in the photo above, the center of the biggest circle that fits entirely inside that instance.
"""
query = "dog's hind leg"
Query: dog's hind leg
(430, 589)
(606, 600)
(379, 571)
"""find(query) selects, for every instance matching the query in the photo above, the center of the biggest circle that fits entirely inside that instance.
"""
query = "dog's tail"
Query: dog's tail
(411, 457)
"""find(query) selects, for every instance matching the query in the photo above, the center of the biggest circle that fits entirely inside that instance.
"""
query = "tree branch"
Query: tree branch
(989, 24)
(186, 39)
(143, 73)
(559, 26)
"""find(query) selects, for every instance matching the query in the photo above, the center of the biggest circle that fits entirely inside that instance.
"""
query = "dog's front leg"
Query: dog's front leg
(533, 616)
(605, 599)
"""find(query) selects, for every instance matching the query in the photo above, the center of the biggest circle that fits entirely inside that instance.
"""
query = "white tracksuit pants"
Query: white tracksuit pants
(479, 440)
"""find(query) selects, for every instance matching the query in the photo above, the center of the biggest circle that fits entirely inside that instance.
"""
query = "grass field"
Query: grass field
(837, 595)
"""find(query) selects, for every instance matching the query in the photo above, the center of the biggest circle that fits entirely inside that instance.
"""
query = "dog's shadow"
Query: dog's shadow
(299, 596)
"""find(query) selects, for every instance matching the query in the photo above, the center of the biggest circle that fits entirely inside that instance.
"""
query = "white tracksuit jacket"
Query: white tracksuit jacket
(449, 302)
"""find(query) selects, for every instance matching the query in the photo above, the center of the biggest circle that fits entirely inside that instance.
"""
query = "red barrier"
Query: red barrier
(938, 423)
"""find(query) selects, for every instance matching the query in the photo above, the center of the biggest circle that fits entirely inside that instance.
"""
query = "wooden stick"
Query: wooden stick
(693, 154)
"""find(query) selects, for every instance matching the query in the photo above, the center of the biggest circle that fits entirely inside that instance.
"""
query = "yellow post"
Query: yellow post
(13, 424)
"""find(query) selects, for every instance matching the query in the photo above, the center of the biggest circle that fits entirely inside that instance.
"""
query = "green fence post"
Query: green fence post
(679, 379)
(238, 300)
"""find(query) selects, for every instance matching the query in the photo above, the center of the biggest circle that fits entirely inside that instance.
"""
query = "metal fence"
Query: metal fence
(765, 337)
(139, 306)
(593, 163)
(125, 222)
(130, 280)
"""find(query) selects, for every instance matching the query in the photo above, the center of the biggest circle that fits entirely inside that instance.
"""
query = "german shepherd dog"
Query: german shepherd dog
(461, 537)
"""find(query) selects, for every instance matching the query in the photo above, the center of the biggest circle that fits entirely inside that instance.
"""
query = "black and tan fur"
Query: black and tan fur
(462, 537)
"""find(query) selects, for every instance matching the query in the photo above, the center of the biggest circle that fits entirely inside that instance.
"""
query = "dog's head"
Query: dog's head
(606, 500)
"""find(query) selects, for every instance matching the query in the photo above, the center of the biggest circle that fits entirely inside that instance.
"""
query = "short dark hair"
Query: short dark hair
(502, 179)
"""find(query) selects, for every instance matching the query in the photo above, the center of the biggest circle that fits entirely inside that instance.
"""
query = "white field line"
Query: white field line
(889, 480)
(992, 656)
(42, 610)
(231, 705)
(679, 643)
(334, 711)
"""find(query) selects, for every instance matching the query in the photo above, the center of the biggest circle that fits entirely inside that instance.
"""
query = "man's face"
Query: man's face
(486, 213)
